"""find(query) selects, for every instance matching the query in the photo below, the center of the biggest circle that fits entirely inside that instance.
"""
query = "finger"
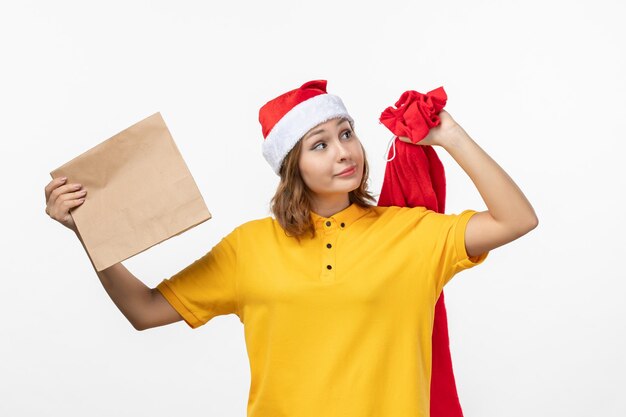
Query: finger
(64, 207)
(68, 204)
(62, 201)
(67, 188)
(59, 195)
(72, 196)
(54, 184)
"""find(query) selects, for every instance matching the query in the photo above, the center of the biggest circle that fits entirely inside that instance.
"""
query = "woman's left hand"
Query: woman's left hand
(438, 135)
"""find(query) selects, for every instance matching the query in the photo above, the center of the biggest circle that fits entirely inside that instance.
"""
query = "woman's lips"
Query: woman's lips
(347, 172)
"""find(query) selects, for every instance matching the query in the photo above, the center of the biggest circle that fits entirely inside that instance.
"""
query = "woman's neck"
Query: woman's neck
(329, 205)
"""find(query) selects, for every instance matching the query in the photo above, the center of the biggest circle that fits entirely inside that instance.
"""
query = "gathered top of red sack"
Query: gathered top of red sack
(415, 113)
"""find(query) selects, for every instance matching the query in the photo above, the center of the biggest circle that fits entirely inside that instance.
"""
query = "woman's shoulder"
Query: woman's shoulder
(257, 224)
(264, 231)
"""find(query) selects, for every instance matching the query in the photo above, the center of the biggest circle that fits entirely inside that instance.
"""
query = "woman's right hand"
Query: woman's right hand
(61, 198)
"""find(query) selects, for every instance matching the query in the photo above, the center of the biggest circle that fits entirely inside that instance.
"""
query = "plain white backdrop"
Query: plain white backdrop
(537, 330)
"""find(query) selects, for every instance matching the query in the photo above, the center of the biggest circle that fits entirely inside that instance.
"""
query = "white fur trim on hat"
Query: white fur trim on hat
(297, 122)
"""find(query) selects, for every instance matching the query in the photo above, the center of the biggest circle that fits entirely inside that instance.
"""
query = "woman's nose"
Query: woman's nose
(343, 151)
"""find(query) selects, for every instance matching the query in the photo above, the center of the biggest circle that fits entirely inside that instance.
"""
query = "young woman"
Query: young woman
(336, 294)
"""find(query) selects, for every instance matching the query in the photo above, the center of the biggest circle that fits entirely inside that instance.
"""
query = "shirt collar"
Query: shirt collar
(341, 220)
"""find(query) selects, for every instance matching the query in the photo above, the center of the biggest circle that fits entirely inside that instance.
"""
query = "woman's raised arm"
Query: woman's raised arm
(509, 214)
(142, 306)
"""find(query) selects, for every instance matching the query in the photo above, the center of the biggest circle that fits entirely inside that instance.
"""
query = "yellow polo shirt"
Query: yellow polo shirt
(338, 325)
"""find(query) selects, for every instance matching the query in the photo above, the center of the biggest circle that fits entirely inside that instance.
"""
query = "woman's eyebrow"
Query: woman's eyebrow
(318, 131)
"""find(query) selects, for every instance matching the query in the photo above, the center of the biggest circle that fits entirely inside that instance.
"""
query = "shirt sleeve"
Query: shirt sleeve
(206, 288)
(449, 253)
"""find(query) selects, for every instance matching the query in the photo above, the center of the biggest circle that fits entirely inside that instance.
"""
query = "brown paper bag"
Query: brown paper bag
(139, 193)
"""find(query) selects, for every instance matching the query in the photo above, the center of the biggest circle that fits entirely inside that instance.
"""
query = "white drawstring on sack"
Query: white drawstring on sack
(391, 143)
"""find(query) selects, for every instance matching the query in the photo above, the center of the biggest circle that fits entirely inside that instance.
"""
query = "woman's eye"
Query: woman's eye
(320, 145)
(347, 134)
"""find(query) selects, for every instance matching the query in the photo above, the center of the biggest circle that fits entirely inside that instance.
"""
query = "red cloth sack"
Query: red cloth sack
(414, 176)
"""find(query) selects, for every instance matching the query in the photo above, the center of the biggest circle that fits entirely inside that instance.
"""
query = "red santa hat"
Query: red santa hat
(287, 118)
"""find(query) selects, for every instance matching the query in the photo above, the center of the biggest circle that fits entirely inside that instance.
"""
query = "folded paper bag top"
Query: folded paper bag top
(140, 193)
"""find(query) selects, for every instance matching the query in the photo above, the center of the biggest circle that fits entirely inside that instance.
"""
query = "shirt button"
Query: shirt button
(343, 225)
(328, 224)
(328, 245)
(329, 267)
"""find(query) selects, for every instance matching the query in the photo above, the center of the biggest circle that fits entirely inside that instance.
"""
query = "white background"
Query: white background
(537, 330)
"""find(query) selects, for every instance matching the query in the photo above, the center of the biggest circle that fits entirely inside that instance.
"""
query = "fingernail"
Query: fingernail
(63, 179)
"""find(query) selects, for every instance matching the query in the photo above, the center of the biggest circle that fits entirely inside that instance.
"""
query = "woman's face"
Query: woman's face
(331, 159)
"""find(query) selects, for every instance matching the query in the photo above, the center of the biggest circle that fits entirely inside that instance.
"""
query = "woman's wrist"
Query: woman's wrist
(453, 137)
